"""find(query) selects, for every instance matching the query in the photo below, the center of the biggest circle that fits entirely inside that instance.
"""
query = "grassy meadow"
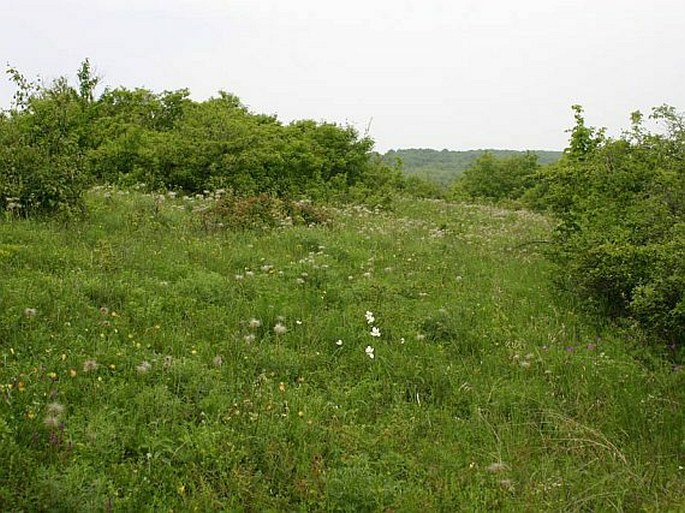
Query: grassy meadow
(412, 359)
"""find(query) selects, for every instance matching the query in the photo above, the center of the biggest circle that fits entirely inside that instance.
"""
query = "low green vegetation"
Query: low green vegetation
(366, 361)
(203, 309)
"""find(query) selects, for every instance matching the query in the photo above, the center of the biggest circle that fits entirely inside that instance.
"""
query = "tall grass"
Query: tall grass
(141, 368)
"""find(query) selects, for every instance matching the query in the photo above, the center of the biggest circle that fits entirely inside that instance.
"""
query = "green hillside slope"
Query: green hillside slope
(443, 166)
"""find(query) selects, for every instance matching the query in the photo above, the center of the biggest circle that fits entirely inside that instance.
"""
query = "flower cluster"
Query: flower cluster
(375, 332)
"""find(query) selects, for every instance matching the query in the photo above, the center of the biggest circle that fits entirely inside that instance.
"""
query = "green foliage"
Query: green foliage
(423, 188)
(621, 206)
(445, 166)
(42, 144)
(498, 179)
(258, 212)
(57, 139)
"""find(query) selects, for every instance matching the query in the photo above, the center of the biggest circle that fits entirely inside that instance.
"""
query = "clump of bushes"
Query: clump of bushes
(620, 240)
(495, 179)
(42, 145)
(59, 139)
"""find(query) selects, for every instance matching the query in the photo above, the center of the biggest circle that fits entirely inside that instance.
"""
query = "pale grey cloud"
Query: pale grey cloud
(428, 73)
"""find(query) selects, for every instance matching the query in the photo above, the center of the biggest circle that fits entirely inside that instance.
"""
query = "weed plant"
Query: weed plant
(413, 360)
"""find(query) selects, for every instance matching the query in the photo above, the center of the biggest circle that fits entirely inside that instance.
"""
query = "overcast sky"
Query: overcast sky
(455, 74)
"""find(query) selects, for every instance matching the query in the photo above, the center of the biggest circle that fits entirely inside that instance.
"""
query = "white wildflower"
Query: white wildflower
(143, 367)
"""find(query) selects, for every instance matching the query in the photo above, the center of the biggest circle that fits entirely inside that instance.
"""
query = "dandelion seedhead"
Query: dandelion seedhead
(280, 329)
(218, 361)
(90, 365)
(254, 323)
(30, 312)
(144, 367)
(54, 409)
(51, 422)
(497, 467)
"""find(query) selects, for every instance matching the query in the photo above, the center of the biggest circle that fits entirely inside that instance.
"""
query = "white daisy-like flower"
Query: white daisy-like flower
(370, 352)
(339, 343)
(375, 332)
(369, 317)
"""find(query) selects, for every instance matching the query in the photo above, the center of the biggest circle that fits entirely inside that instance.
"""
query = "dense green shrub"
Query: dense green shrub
(621, 205)
(168, 141)
(58, 139)
(42, 144)
(497, 179)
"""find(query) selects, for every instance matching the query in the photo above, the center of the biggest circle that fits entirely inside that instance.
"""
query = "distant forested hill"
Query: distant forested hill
(444, 166)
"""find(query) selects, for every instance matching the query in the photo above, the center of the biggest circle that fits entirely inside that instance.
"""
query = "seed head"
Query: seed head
(54, 409)
(497, 467)
(143, 368)
(90, 366)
